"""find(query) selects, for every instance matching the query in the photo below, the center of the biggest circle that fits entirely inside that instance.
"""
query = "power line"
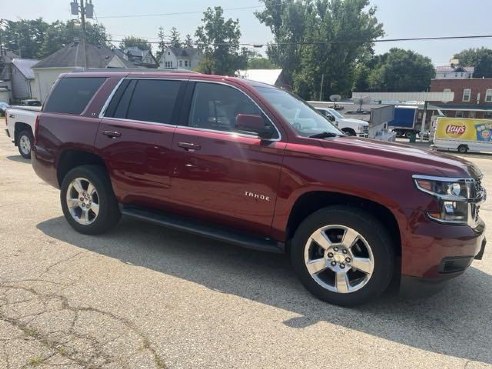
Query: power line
(259, 45)
(176, 13)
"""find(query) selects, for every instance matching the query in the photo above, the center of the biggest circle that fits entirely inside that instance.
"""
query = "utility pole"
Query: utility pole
(86, 10)
(321, 87)
(84, 41)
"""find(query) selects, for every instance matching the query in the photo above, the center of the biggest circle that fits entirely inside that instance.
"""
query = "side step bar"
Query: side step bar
(199, 228)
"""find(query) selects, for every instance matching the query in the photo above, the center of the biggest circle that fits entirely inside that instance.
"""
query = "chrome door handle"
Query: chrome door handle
(189, 146)
(111, 134)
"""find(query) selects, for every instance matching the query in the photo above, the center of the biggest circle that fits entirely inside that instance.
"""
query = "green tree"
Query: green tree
(401, 70)
(188, 42)
(218, 39)
(132, 41)
(36, 39)
(175, 38)
(480, 58)
(260, 63)
(25, 37)
(162, 44)
(60, 34)
(319, 40)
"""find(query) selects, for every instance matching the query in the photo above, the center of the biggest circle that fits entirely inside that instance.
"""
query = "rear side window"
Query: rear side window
(150, 100)
(71, 95)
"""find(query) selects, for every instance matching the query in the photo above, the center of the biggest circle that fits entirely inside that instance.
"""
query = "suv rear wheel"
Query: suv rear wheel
(343, 255)
(88, 201)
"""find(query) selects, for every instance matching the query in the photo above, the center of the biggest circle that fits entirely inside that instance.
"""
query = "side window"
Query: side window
(71, 95)
(216, 106)
(150, 100)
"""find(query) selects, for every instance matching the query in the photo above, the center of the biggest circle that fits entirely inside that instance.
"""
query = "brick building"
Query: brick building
(472, 97)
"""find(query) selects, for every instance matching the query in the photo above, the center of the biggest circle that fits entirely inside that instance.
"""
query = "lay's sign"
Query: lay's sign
(464, 129)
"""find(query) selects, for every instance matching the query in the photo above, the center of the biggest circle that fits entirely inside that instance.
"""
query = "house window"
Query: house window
(487, 115)
(488, 95)
(186, 63)
(168, 53)
(459, 114)
(466, 94)
(444, 76)
(180, 63)
(169, 64)
(471, 114)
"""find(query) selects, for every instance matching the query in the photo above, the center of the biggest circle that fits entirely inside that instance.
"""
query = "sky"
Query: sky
(401, 19)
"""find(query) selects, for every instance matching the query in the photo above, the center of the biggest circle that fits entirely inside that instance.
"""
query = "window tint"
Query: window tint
(71, 95)
(216, 107)
(151, 101)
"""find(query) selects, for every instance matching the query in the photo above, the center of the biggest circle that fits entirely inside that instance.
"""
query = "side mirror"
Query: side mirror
(254, 123)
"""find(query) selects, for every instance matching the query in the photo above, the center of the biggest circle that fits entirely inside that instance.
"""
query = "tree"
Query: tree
(60, 34)
(132, 41)
(36, 39)
(401, 70)
(188, 41)
(218, 39)
(162, 44)
(480, 58)
(175, 38)
(261, 63)
(319, 40)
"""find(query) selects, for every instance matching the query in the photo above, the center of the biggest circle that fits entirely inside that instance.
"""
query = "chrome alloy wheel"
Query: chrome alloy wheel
(25, 144)
(82, 201)
(339, 259)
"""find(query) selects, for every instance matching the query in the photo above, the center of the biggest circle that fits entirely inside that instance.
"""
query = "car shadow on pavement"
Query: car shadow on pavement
(455, 322)
(18, 159)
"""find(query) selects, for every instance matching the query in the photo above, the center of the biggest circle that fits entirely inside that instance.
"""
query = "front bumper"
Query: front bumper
(436, 251)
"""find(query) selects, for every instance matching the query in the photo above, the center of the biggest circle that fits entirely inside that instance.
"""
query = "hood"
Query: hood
(354, 121)
(401, 157)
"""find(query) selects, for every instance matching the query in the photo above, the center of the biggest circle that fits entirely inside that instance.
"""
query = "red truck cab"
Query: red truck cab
(253, 165)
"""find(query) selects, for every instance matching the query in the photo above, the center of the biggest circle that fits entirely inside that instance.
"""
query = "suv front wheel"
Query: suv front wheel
(343, 255)
(88, 201)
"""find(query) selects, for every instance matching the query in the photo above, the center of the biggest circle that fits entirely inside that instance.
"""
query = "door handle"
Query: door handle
(111, 134)
(189, 146)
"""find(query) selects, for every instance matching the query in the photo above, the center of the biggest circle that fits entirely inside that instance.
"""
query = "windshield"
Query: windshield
(301, 116)
(336, 114)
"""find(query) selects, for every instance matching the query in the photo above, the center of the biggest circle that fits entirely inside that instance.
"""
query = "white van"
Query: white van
(463, 135)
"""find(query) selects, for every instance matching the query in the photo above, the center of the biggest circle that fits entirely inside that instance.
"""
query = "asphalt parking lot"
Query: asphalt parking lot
(146, 297)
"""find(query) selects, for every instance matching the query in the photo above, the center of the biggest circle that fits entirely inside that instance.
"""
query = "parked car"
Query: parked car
(3, 107)
(30, 102)
(349, 126)
(20, 128)
(250, 164)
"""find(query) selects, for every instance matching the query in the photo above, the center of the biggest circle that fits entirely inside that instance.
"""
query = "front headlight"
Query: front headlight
(458, 198)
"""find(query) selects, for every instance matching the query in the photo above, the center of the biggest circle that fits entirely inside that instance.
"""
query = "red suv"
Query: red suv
(253, 165)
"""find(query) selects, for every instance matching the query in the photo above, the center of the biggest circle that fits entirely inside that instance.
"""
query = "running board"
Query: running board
(210, 231)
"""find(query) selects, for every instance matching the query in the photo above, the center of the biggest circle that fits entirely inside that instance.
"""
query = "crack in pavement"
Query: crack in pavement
(37, 327)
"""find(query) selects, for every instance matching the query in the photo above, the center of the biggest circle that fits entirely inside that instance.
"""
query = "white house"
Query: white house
(180, 58)
(23, 83)
(71, 58)
(454, 72)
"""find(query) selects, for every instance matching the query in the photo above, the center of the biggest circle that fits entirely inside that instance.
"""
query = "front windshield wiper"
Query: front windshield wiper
(324, 135)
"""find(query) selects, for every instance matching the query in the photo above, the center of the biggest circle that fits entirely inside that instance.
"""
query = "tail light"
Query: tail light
(36, 126)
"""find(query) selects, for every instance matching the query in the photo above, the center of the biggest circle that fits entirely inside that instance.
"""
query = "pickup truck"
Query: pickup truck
(247, 163)
(20, 127)
(349, 126)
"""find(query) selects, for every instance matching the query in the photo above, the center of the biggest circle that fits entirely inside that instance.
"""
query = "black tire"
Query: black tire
(462, 149)
(372, 232)
(108, 211)
(24, 143)
(349, 131)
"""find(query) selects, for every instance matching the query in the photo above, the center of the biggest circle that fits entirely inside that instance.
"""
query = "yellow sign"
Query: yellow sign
(464, 129)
